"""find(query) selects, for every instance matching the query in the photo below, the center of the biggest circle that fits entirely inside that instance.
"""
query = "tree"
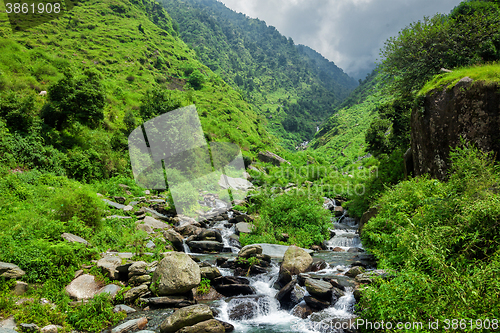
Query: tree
(73, 98)
(196, 79)
(469, 35)
(158, 101)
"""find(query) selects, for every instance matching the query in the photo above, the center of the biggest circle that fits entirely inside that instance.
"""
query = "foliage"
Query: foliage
(299, 215)
(469, 35)
(391, 130)
(443, 239)
(158, 101)
(81, 203)
(487, 73)
(75, 99)
(79, 128)
(204, 286)
(291, 85)
(95, 315)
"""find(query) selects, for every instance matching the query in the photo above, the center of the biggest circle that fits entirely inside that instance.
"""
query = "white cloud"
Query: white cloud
(348, 32)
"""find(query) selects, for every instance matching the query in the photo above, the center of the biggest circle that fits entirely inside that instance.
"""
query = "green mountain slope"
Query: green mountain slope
(284, 84)
(342, 136)
(128, 48)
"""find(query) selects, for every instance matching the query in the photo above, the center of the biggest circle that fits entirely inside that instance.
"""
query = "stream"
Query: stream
(266, 314)
(262, 311)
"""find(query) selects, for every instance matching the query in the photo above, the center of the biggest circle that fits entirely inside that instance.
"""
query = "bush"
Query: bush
(95, 315)
(80, 202)
(443, 239)
(302, 217)
(73, 98)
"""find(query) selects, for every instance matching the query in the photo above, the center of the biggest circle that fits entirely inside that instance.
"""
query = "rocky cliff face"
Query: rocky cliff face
(470, 110)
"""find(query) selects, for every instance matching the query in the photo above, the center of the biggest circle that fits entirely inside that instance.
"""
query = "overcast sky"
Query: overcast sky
(347, 32)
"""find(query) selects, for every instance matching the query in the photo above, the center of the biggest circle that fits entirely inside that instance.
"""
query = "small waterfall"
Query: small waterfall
(185, 247)
(344, 238)
(226, 233)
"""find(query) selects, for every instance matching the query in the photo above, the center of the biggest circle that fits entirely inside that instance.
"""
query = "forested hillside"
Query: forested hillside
(293, 87)
(107, 67)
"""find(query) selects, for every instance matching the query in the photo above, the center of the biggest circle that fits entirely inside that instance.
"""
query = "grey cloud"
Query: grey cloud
(348, 32)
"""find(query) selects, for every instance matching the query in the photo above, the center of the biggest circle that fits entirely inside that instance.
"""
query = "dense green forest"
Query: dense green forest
(294, 87)
(72, 90)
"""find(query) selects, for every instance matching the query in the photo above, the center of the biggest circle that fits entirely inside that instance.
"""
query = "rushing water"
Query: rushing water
(266, 315)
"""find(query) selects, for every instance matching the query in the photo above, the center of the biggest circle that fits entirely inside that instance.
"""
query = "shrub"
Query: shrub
(80, 202)
(443, 239)
(95, 315)
(302, 217)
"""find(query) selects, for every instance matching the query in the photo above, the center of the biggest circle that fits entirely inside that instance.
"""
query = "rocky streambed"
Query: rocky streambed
(258, 288)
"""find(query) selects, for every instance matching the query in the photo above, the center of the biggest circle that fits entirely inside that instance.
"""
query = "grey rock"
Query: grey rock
(175, 238)
(111, 289)
(125, 308)
(319, 288)
(267, 156)
(250, 251)
(20, 288)
(243, 227)
(131, 325)
(205, 246)
(187, 316)
(29, 328)
(276, 251)
(154, 223)
(114, 204)
(135, 293)
(170, 301)
(354, 271)
(296, 260)
(74, 239)
(137, 268)
(50, 329)
(83, 287)
(139, 279)
(108, 265)
(210, 272)
(177, 273)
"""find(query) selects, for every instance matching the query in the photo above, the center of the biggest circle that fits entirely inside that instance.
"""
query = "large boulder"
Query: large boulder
(469, 110)
(175, 238)
(10, 271)
(296, 260)
(250, 251)
(83, 287)
(175, 274)
(187, 316)
(319, 288)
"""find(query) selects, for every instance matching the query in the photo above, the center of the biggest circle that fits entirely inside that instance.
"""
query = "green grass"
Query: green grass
(489, 73)
(130, 62)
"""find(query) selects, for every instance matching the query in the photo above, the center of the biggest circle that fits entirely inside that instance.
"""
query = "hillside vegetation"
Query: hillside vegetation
(107, 66)
(294, 87)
